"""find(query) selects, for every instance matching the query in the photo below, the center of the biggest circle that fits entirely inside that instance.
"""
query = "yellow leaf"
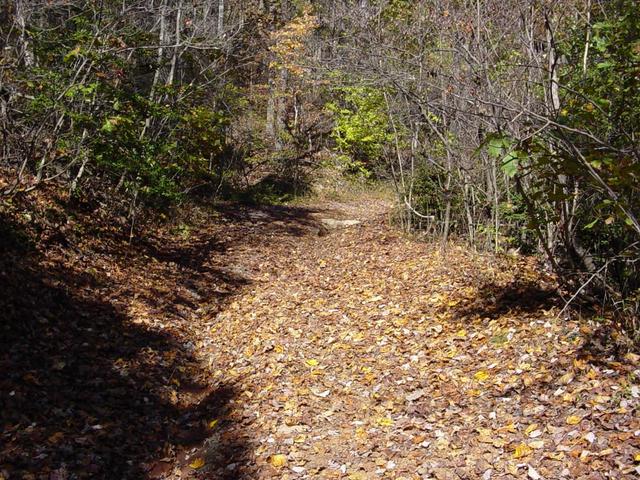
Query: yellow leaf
(633, 358)
(522, 450)
(566, 378)
(499, 443)
(279, 349)
(442, 444)
(512, 469)
(278, 460)
(573, 420)
(373, 299)
(361, 433)
(481, 376)
(559, 456)
(580, 364)
(357, 476)
(213, 423)
(197, 463)
(385, 422)
(531, 428)
(461, 333)
(312, 362)
(511, 428)
(637, 457)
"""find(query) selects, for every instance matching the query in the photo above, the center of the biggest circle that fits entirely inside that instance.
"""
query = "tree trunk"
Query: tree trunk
(174, 57)
(220, 17)
(159, 57)
(26, 53)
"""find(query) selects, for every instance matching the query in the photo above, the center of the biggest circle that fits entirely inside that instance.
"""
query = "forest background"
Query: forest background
(512, 126)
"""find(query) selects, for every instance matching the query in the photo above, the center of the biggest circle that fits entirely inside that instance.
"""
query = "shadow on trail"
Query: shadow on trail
(85, 392)
(517, 298)
(191, 256)
(272, 219)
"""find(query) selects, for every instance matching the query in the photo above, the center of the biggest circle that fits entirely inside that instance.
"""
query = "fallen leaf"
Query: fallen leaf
(415, 395)
(573, 420)
(385, 422)
(522, 450)
(510, 427)
(56, 437)
(357, 476)
(278, 460)
(566, 378)
(531, 428)
(197, 463)
(533, 475)
(536, 444)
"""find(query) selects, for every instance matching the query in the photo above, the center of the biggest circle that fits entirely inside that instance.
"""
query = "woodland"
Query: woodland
(319, 239)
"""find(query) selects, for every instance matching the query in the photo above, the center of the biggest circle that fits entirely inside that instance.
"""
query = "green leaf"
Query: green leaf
(72, 54)
(591, 225)
(108, 126)
(511, 161)
(495, 147)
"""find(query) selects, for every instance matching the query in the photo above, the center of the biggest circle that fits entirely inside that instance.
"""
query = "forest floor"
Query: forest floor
(253, 344)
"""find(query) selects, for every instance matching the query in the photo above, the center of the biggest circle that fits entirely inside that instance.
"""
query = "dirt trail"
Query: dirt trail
(258, 345)
(363, 354)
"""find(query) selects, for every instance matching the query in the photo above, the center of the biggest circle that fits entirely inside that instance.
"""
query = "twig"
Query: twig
(426, 217)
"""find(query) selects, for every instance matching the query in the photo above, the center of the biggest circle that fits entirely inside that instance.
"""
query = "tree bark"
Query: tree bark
(220, 17)
(26, 53)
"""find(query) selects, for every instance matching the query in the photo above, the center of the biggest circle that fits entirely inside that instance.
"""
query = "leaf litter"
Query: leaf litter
(361, 354)
(432, 366)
